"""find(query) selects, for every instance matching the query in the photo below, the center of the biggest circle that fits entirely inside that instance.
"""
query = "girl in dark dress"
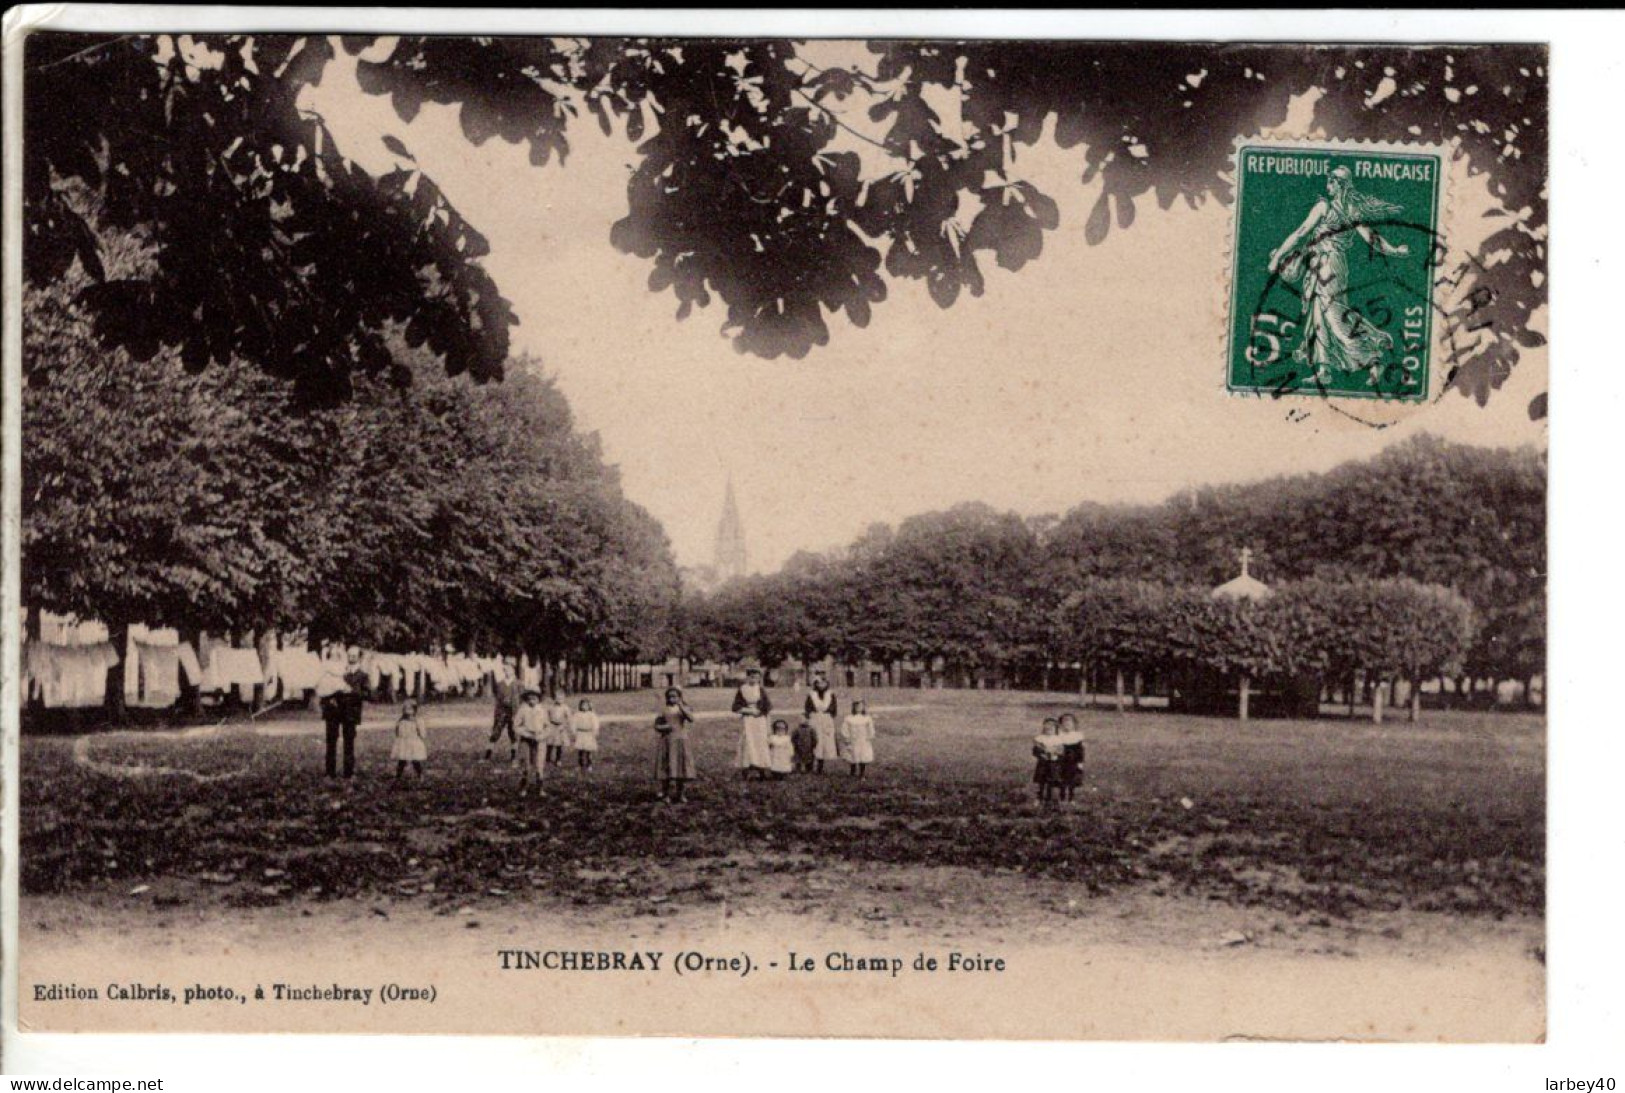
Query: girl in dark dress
(1070, 768)
(804, 739)
(674, 754)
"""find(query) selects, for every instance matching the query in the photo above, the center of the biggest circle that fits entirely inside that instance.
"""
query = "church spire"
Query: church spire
(730, 548)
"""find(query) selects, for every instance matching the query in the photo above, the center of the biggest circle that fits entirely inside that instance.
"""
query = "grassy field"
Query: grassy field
(1329, 817)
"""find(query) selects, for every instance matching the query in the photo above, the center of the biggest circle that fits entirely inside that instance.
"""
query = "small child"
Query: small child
(584, 724)
(780, 748)
(531, 725)
(674, 756)
(805, 743)
(1069, 771)
(858, 733)
(558, 735)
(411, 745)
(1048, 753)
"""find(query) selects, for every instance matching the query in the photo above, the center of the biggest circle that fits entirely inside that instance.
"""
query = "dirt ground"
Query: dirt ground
(1276, 881)
(1124, 966)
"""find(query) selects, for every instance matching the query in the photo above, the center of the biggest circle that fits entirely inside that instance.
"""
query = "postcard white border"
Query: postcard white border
(1586, 742)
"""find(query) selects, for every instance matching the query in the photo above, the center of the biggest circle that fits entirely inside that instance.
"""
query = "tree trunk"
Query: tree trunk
(1139, 688)
(1243, 694)
(1354, 692)
(118, 636)
(1416, 699)
(191, 699)
(1119, 690)
(1378, 692)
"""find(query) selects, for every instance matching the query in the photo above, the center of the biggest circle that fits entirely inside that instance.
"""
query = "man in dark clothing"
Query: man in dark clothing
(506, 694)
(342, 701)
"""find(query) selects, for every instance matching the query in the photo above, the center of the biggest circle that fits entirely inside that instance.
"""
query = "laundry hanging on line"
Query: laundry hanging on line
(297, 670)
(158, 673)
(228, 668)
(68, 676)
(189, 664)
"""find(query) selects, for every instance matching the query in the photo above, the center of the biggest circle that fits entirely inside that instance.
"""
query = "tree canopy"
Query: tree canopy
(406, 517)
(1430, 555)
(277, 249)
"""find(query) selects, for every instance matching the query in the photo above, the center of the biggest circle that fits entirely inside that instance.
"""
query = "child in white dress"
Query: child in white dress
(780, 750)
(1047, 756)
(858, 732)
(584, 724)
(411, 745)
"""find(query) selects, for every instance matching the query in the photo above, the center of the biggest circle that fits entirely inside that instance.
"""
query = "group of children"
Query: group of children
(798, 750)
(787, 752)
(546, 732)
(1058, 749)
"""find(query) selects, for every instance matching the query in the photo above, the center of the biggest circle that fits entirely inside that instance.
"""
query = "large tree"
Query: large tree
(153, 495)
(747, 190)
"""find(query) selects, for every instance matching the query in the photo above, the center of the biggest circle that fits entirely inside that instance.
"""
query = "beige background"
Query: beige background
(1095, 373)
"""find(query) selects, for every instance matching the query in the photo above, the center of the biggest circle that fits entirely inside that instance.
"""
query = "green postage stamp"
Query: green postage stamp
(1332, 269)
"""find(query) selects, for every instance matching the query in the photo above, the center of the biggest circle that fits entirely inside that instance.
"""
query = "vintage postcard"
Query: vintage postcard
(873, 537)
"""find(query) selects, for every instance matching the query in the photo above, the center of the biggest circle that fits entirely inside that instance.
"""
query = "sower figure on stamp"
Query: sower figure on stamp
(752, 705)
(1335, 335)
(342, 692)
(821, 709)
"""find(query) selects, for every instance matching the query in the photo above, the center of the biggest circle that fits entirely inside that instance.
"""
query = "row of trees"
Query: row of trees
(412, 515)
(1376, 631)
(1367, 557)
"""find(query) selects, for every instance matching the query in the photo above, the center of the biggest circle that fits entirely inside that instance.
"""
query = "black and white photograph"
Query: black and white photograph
(869, 537)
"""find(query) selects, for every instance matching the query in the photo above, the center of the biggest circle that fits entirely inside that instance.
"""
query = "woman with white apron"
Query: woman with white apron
(821, 710)
(752, 705)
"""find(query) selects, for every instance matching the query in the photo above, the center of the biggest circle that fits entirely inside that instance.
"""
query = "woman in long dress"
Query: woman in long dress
(752, 705)
(821, 709)
(674, 754)
(1336, 336)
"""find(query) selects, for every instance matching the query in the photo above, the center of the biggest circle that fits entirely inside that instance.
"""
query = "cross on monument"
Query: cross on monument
(1246, 555)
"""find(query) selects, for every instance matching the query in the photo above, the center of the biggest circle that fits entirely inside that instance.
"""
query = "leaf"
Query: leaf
(394, 144)
(1125, 211)
(1094, 231)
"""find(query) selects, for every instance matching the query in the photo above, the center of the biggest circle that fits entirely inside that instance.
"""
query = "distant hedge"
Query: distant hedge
(1385, 629)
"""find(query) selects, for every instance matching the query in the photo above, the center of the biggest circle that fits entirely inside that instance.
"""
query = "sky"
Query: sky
(1094, 374)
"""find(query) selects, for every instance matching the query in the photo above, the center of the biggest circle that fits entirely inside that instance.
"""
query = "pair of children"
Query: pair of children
(798, 751)
(1058, 749)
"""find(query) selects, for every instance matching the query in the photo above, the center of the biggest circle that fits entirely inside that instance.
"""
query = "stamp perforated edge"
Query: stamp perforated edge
(1449, 154)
